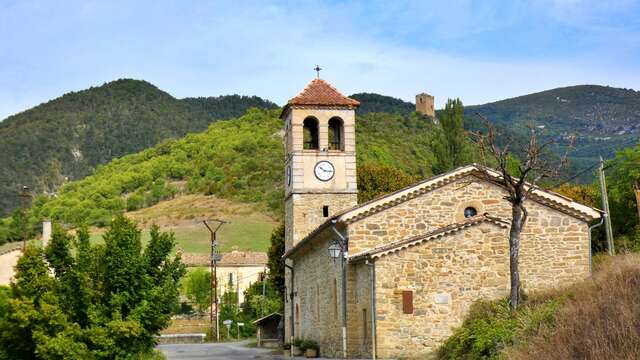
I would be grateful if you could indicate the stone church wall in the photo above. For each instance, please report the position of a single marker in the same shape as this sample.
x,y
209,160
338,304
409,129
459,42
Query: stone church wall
x,y
555,246
318,289
445,276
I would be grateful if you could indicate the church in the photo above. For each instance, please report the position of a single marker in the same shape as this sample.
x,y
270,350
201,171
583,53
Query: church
x,y
394,276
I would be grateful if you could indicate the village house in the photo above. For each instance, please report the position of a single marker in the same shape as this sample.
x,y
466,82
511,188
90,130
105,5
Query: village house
x,y
415,260
236,271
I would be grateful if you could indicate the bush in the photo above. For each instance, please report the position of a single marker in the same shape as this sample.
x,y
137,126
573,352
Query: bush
x,y
309,344
491,326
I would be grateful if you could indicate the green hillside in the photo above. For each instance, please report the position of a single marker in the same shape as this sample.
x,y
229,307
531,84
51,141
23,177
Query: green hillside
x,y
66,138
370,102
604,119
239,159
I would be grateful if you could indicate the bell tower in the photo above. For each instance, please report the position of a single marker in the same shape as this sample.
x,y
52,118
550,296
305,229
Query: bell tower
x,y
320,158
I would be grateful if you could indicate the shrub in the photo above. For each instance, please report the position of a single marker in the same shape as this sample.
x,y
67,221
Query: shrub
x,y
309,344
491,326
600,320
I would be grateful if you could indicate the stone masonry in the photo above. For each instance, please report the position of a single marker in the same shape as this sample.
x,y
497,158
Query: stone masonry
x,y
445,275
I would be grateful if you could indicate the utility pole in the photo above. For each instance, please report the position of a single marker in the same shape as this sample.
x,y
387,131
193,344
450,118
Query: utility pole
x,y
24,194
264,280
605,207
215,257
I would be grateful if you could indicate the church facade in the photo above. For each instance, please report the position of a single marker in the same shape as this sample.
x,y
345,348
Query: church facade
x,y
414,260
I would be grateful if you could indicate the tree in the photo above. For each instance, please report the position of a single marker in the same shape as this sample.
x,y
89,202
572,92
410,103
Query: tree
x,y
197,288
519,185
450,146
275,261
375,180
102,302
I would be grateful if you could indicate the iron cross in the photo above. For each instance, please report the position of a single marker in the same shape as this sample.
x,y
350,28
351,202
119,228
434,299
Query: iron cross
x,y
317,69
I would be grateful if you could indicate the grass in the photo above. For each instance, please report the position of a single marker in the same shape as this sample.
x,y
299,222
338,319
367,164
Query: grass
x,y
600,320
597,318
248,229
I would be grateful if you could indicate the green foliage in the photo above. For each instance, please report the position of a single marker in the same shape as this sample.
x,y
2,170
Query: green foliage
x,y
104,302
275,262
257,305
491,326
309,344
69,136
451,147
621,180
383,104
196,286
239,159
375,180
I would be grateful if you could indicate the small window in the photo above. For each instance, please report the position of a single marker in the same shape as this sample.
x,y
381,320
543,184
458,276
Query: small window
x,y
230,279
407,302
470,212
310,134
325,211
364,325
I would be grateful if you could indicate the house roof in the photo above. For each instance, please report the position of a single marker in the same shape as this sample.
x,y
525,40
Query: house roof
x,y
397,246
320,93
546,197
233,258
268,317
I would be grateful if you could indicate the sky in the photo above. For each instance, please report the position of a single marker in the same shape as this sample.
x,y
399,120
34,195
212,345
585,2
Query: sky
x,y
478,51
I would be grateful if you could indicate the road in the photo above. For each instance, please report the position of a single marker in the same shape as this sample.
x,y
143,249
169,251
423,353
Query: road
x,y
210,351
7,262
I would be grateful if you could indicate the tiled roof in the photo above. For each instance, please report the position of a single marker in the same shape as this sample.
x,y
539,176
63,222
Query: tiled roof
x,y
320,93
432,235
234,258
539,195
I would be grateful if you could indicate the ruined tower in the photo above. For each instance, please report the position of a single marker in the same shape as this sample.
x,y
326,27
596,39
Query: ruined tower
x,y
424,104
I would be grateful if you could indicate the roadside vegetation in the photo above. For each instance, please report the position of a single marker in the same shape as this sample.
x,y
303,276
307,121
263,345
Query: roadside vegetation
x,y
594,319
103,301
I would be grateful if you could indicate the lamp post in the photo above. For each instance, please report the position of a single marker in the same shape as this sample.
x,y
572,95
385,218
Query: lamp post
x,y
339,248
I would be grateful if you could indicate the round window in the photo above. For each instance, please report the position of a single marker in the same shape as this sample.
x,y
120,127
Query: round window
x,y
470,212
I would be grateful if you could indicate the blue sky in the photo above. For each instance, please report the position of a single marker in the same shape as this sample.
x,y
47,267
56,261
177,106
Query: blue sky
x,y
479,51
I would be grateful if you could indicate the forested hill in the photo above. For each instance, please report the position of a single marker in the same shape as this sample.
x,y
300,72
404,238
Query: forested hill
x,y
239,159
69,136
370,102
604,119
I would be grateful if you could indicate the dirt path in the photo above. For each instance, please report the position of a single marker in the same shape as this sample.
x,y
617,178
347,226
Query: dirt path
x,y
7,262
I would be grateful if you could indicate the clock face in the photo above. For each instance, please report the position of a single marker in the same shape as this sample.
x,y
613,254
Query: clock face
x,y
324,170
288,175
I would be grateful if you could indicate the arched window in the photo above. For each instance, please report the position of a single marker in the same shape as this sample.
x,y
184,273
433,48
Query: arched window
x,y
336,133
310,134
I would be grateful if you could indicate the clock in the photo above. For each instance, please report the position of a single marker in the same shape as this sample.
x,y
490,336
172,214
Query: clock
x,y
289,176
324,170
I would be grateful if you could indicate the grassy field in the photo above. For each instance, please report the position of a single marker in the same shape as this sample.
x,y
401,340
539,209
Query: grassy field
x,y
248,229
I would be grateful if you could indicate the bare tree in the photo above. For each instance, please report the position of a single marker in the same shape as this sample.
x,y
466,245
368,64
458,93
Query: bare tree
x,y
520,183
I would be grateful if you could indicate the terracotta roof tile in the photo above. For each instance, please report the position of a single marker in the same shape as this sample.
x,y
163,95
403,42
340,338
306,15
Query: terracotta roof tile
x,y
320,92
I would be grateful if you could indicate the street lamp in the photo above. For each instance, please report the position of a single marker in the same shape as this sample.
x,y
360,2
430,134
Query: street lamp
x,y
334,250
